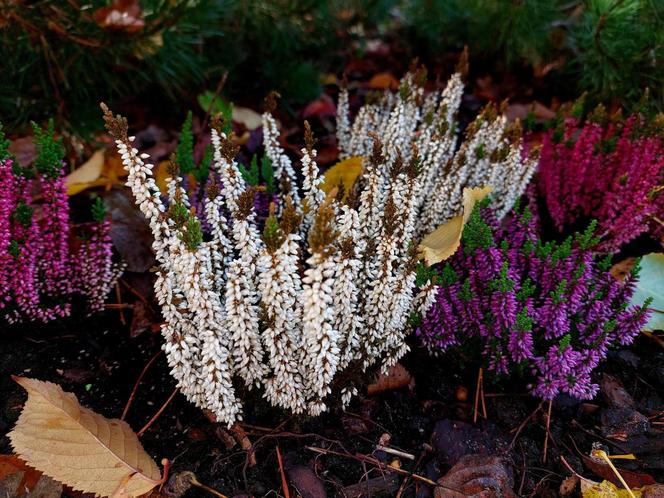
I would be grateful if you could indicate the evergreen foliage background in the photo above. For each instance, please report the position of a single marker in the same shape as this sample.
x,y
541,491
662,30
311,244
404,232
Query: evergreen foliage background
x,y
60,58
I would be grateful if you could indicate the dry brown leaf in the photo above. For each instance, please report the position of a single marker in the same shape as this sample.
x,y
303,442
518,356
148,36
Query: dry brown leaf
x,y
444,240
79,447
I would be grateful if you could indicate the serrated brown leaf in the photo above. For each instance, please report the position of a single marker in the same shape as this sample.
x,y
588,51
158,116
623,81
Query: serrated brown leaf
x,y
79,447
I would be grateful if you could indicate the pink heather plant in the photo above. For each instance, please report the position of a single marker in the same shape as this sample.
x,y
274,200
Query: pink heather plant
x,y
612,172
39,276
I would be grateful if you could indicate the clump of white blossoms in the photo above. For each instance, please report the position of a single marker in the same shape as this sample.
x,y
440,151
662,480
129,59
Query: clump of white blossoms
x,y
323,291
491,153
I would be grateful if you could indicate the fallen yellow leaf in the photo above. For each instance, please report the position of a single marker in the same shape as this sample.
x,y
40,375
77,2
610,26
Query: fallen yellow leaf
x,y
444,240
90,171
79,447
98,171
346,172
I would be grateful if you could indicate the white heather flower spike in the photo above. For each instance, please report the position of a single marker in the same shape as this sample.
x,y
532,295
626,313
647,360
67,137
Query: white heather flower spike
x,y
313,195
291,314
320,340
284,173
231,178
343,122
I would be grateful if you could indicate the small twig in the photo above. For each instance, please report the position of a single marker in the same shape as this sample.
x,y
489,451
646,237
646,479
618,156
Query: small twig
x,y
217,91
118,296
377,463
392,451
120,306
134,292
477,396
284,482
210,490
156,415
523,424
138,381
546,436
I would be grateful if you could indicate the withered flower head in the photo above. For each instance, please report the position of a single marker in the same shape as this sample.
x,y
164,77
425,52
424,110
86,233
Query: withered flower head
x,y
414,165
377,158
172,168
499,154
115,125
309,139
397,167
390,217
598,115
322,234
271,101
213,190
218,122
229,149
290,219
352,199
535,151
245,204
462,65
514,131
420,76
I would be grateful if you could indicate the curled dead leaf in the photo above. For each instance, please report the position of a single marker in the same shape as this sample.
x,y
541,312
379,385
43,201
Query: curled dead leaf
x,y
79,447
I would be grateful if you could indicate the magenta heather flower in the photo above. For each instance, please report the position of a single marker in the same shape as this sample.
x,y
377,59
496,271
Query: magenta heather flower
x,y
550,309
39,276
607,171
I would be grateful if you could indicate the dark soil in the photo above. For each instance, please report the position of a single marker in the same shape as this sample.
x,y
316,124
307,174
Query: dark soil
x,y
96,359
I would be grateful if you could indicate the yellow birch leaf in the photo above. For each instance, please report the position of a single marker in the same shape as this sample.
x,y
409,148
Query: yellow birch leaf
x,y
346,172
444,240
79,447
90,171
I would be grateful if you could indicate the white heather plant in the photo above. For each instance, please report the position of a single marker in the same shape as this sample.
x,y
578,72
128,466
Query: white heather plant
x,y
325,291
490,155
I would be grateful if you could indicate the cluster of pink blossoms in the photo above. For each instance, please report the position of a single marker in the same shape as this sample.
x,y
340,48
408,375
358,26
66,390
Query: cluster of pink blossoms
x,y
40,275
609,171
